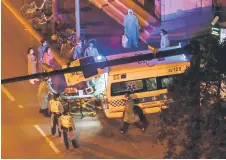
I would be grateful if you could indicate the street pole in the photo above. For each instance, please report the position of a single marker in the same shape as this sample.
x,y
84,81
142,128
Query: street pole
x,y
77,19
54,11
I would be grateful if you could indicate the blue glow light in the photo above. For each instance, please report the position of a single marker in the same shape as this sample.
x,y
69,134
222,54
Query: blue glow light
x,y
99,57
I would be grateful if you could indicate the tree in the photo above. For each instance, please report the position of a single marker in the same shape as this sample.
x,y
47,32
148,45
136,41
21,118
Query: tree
x,y
193,129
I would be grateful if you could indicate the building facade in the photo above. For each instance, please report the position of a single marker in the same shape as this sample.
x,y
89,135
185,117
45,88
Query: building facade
x,y
173,9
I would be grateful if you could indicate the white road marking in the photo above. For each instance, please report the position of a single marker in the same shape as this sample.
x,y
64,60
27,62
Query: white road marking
x,y
21,19
29,28
47,139
135,146
20,106
11,98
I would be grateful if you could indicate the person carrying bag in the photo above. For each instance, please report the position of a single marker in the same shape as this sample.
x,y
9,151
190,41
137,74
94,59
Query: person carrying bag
x,y
124,41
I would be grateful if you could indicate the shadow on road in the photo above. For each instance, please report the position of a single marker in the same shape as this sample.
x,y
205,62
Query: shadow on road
x,y
106,151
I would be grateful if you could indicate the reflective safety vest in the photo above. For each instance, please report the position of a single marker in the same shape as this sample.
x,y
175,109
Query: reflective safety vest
x,y
65,121
54,106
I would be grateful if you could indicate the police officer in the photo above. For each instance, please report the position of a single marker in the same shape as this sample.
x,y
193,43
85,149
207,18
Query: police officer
x,y
56,110
67,127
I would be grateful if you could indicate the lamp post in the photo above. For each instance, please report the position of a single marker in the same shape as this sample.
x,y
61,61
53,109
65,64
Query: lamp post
x,y
77,19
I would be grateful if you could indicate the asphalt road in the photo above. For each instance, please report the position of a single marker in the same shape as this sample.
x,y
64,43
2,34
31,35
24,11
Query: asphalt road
x,y
20,139
98,137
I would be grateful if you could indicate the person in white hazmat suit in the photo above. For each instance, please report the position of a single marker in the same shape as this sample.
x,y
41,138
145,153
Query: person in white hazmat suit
x,y
164,43
44,90
131,26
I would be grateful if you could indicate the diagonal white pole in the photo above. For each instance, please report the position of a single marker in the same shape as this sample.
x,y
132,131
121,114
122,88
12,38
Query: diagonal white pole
x,y
77,19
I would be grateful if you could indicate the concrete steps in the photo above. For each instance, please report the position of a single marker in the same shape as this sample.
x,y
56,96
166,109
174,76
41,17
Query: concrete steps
x,y
143,15
109,10
117,11
120,7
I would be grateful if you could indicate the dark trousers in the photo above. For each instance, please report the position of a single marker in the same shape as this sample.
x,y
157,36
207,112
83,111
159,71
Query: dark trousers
x,y
73,142
139,112
55,124
126,126
144,123
143,119
45,112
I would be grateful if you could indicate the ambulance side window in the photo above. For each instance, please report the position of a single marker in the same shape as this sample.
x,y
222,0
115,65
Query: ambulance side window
x,y
121,88
166,81
151,84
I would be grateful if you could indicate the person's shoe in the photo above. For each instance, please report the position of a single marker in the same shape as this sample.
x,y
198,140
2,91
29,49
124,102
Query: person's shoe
x,y
122,131
145,127
77,146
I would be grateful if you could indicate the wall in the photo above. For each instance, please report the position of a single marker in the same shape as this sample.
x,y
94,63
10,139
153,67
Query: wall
x,y
173,9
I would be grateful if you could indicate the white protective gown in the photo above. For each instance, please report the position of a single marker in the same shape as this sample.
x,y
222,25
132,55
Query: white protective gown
x,y
131,29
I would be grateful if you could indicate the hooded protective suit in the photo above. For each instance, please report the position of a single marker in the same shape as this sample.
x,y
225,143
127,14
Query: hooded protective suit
x,y
164,41
43,91
131,28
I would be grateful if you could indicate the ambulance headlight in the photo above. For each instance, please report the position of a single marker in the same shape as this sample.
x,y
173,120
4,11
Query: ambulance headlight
x,y
99,58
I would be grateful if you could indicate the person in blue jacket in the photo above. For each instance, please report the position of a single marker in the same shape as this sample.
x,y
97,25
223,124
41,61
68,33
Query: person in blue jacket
x,y
131,26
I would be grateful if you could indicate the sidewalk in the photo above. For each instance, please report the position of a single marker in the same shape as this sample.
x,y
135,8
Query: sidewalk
x,y
103,28
98,25
179,29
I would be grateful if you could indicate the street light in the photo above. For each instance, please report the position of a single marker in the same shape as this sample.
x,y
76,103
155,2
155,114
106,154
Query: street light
x,y
77,19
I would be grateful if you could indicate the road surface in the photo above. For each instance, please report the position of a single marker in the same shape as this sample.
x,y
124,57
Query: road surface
x,y
20,139
98,137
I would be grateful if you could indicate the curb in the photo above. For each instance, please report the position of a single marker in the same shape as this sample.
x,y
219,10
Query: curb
x,y
33,32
